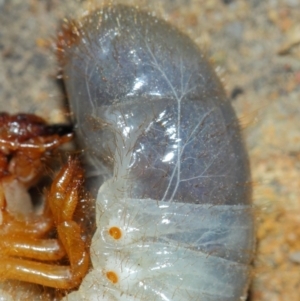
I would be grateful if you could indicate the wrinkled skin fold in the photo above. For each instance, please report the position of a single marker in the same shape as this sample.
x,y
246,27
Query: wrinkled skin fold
x,y
171,165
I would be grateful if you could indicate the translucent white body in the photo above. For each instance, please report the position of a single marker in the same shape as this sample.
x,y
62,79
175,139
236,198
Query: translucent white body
x,y
173,210
158,257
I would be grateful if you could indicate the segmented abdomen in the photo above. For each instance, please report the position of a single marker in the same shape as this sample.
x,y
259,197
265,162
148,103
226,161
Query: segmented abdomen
x,y
173,215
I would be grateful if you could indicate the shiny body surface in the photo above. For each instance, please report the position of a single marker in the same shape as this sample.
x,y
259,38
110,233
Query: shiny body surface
x,y
33,243
157,128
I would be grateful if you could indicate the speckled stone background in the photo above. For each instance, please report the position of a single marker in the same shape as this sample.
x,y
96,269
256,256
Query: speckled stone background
x,y
255,47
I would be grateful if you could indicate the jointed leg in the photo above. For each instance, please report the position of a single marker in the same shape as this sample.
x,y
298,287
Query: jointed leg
x,y
62,200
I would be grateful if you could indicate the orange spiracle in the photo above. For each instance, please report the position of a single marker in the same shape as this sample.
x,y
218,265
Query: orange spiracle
x,y
173,209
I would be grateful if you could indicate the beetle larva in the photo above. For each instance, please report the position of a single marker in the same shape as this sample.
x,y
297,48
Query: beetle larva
x,y
173,215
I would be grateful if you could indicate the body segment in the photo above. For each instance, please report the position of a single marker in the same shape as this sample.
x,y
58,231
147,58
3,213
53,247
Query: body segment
x,y
173,211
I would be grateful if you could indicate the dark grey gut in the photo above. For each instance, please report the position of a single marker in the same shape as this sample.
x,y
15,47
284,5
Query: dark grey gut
x,y
173,210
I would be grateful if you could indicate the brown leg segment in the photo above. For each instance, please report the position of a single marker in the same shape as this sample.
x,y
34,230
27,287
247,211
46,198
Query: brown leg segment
x,y
37,249
26,251
36,272
62,200
62,277
64,192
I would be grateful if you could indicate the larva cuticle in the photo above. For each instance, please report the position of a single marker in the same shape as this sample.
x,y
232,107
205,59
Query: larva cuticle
x,y
242,39
173,215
